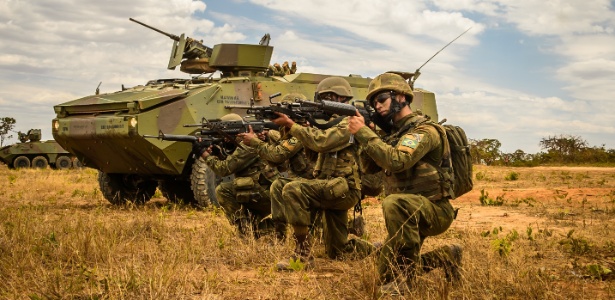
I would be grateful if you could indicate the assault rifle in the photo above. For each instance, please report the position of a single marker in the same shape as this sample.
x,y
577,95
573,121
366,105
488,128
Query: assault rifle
x,y
217,133
342,109
301,111
293,109
219,148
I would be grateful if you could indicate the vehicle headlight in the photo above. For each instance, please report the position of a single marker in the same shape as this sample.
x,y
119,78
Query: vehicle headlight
x,y
133,122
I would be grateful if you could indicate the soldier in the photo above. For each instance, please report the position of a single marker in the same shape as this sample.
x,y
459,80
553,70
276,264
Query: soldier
x,y
245,200
417,202
336,189
288,150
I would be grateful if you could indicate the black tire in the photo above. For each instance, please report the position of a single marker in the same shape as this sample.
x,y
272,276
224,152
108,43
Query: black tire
x,y
121,188
63,163
176,191
40,162
21,162
203,184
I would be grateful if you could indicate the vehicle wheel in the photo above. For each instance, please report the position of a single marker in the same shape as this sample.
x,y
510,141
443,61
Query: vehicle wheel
x,y
176,191
21,162
63,163
77,163
40,162
121,188
203,184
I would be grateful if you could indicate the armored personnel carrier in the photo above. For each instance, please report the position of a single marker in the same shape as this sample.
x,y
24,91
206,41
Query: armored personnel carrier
x,y
105,131
32,152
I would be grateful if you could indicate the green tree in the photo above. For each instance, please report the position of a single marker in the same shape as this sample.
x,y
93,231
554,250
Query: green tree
x,y
6,126
485,151
563,148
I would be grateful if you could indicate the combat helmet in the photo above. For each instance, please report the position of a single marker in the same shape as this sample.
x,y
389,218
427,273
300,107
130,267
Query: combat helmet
x,y
336,85
394,84
291,97
389,82
231,117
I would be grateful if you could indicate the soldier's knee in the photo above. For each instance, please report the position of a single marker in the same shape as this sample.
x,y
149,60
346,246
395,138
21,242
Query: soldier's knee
x,y
396,203
290,190
276,188
390,204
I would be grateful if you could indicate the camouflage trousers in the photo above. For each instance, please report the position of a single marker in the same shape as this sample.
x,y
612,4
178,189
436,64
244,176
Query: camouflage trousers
x,y
295,201
409,220
240,212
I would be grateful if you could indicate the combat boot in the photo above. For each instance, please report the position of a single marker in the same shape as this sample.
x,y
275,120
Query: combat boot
x,y
447,257
301,259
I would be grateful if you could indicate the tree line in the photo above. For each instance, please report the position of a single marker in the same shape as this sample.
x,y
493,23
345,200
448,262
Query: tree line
x,y
558,149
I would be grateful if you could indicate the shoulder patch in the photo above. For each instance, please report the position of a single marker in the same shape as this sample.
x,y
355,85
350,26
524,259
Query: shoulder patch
x,y
290,144
409,142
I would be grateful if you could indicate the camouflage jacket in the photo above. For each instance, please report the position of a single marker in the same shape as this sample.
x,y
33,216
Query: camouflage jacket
x,y
408,157
288,150
336,155
243,162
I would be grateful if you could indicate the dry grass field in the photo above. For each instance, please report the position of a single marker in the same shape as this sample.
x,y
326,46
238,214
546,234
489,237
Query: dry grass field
x,y
541,233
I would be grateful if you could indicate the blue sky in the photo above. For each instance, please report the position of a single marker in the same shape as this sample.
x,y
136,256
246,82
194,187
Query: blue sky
x,y
526,70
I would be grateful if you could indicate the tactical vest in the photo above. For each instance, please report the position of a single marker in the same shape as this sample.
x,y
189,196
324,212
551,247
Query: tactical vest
x,y
301,166
338,164
258,170
423,178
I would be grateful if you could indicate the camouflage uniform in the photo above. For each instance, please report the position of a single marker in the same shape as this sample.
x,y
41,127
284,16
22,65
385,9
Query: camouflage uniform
x,y
417,205
336,189
288,149
246,199
287,152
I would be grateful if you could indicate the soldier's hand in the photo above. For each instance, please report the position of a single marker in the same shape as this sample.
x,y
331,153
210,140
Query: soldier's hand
x,y
199,148
207,152
355,123
283,120
247,136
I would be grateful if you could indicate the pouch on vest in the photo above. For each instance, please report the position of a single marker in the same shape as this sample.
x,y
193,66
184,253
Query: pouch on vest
x,y
327,163
336,188
243,188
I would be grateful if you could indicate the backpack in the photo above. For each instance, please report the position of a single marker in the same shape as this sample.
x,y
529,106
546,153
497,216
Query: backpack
x,y
461,160
457,170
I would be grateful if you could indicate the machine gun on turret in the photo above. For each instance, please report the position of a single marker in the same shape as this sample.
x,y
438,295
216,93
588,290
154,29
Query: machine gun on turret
x,y
191,55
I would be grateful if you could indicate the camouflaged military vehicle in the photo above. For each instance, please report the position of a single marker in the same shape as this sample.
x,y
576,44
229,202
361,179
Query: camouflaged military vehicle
x,y
105,131
32,152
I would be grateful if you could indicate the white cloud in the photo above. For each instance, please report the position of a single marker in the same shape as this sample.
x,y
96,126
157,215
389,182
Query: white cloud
x,y
54,51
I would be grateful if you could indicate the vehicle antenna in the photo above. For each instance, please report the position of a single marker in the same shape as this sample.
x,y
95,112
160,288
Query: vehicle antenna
x,y
417,73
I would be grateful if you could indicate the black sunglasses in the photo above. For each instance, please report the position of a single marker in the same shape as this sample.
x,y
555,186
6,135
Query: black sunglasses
x,y
381,97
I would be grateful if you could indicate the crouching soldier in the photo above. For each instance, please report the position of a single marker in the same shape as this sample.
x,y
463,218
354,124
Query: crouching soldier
x,y
334,191
417,203
245,200
288,154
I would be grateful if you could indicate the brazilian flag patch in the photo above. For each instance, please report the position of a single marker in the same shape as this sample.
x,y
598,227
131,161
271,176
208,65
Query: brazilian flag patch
x,y
410,143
